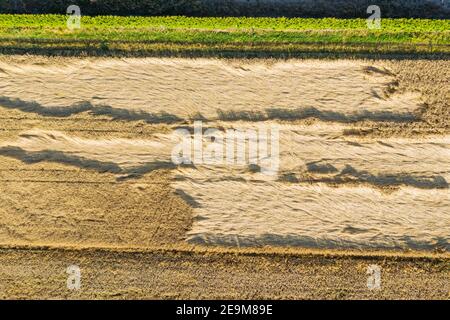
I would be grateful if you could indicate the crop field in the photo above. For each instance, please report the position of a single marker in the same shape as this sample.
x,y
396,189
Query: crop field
x,y
355,172
105,35
217,23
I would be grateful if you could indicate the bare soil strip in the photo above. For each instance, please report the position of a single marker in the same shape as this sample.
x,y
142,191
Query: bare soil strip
x,y
64,205
159,274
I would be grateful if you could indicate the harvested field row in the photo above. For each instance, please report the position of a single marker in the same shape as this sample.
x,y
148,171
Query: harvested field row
x,y
82,207
304,150
76,134
397,191
34,272
385,97
145,89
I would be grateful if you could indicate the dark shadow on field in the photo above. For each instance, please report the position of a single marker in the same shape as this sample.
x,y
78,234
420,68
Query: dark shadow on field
x,y
59,157
318,167
85,106
311,112
224,115
422,182
231,115
313,50
30,157
139,171
293,240
188,199
352,175
382,71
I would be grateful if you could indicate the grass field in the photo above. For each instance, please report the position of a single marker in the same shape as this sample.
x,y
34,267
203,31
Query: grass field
x,y
221,36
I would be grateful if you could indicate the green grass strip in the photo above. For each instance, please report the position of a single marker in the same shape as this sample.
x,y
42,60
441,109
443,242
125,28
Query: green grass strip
x,y
265,33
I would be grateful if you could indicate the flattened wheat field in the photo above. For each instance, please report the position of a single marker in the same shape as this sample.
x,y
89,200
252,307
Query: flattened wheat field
x,y
86,178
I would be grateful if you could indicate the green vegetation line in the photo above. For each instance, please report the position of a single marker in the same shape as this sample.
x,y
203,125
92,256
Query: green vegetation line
x,y
270,32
